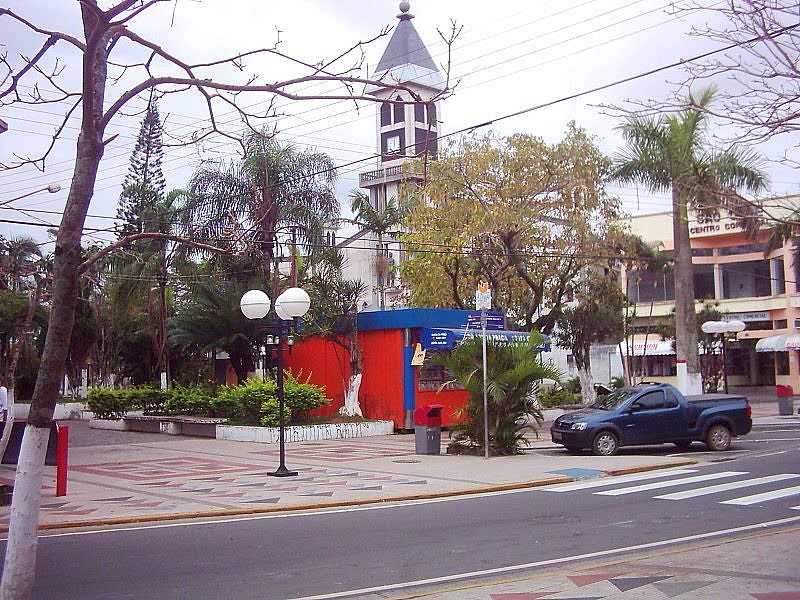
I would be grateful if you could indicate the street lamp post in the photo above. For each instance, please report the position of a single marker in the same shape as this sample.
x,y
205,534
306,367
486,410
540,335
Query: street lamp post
x,y
289,307
52,188
722,328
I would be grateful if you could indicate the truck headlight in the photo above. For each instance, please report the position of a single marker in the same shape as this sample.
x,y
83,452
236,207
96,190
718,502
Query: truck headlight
x,y
579,426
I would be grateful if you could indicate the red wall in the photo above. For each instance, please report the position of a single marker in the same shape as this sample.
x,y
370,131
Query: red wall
x,y
382,384
327,364
381,393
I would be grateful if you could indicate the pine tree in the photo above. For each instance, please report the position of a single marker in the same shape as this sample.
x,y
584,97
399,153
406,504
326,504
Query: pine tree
x,y
144,184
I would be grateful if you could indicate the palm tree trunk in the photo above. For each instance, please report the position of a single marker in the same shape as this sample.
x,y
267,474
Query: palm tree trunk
x,y
382,276
685,318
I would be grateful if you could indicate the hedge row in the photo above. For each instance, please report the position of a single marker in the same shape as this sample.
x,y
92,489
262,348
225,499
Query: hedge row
x,y
251,403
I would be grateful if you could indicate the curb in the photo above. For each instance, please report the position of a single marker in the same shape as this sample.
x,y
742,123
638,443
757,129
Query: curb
x,y
159,518
645,468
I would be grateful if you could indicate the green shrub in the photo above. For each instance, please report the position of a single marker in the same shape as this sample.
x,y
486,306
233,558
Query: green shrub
x,y
573,385
187,401
270,415
557,396
107,403
147,399
303,397
243,402
617,382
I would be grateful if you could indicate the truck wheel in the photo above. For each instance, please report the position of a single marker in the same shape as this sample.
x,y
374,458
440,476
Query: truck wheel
x,y
718,438
605,444
683,444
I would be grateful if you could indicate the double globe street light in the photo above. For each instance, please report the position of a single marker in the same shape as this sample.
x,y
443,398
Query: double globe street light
x,y
289,306
721,328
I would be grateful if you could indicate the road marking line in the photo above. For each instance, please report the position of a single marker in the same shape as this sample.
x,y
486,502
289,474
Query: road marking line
x,y
600,482
672,482
552,561
766,496
724,487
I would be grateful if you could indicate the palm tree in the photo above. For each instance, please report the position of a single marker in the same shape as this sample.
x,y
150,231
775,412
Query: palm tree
x,y
256,200
671,153
513,376
18,261
381,222
209,318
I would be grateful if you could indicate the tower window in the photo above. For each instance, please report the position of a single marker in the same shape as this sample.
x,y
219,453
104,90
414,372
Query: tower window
x,y
419,112
399,111
393,144
386,114
432,113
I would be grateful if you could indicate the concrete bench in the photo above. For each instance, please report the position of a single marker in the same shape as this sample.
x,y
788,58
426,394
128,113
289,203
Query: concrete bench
x,y
177,425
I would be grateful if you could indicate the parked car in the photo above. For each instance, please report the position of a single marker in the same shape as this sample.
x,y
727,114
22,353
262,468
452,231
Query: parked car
x,y
653,414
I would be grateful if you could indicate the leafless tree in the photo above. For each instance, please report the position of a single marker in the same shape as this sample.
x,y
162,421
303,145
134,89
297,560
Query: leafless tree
x,y
106,88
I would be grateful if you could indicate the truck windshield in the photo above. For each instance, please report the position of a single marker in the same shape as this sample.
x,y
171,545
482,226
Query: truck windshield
x,y
613,400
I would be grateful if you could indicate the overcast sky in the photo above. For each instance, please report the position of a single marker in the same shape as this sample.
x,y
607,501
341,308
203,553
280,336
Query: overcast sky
x,y
511,54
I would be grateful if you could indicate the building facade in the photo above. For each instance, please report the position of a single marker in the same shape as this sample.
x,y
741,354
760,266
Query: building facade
x,y
406,130
743,279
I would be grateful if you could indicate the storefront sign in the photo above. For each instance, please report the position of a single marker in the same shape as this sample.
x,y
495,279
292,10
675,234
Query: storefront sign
x,y
747,317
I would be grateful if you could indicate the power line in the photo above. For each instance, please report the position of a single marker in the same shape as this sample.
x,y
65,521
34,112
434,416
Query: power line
x,y
487,67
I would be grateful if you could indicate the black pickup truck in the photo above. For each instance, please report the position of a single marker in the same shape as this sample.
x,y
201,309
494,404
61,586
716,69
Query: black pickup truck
x,y
653,414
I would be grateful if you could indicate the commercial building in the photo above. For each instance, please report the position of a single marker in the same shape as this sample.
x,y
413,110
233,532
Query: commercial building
x,y
749,281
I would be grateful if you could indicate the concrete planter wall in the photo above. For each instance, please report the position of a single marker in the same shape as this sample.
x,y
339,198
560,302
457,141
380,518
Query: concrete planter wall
x,y
115,424
305,433
68,410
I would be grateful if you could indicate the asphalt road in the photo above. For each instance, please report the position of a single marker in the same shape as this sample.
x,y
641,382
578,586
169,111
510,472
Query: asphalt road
x,y
281,557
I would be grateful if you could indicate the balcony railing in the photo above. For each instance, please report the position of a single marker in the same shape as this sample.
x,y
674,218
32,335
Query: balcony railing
x,y
384,175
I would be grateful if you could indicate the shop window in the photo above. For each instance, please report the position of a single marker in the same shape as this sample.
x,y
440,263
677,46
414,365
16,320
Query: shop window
x,y
702,252
778,276
782,363
742,249
759,325
737,361
746,280
703,276
654,366
651,286
780,324
433,377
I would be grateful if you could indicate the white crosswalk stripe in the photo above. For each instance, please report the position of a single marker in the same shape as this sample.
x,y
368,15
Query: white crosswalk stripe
x,y
725,487
595,483
670,483
766,496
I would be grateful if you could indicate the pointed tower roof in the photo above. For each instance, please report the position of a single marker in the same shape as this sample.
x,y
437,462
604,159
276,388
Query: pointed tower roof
x,y
406,59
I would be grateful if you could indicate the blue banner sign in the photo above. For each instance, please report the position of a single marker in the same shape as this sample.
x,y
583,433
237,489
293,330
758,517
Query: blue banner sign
x,y
446,339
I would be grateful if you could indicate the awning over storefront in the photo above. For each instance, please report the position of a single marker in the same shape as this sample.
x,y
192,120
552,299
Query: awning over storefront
x,y
441,338
655,346
793,342
774,343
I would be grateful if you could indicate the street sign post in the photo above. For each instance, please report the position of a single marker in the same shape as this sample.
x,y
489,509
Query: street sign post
x,y
483,302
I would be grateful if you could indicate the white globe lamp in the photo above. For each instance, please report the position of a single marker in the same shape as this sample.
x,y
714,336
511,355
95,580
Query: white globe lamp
x,y
280,310
294,303
736,326
255,304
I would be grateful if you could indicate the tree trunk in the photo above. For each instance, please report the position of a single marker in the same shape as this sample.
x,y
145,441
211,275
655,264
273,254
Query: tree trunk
x,y
352,407
685,318
583,364
20,560
381,276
